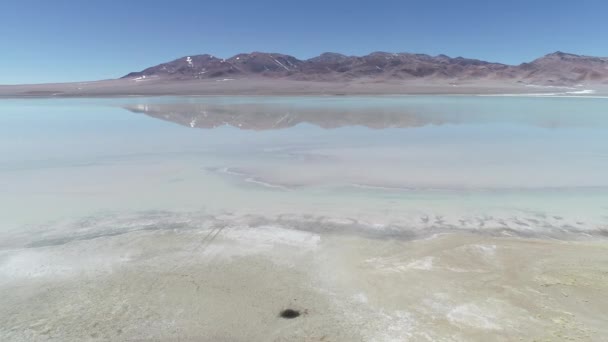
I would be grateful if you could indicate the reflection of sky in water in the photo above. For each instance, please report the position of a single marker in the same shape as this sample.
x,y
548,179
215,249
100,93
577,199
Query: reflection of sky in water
x,y
72,157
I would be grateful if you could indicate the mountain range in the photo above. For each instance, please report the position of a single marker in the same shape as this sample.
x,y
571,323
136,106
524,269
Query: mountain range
x,y
558,68
379,73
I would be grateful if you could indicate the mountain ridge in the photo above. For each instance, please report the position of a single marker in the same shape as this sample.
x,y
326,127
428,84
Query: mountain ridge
x,y
557,68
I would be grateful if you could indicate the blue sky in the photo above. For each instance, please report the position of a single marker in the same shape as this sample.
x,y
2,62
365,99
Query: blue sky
x,y
61,40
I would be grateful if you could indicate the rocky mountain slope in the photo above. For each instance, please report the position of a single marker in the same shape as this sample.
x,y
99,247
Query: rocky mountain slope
x,y
553,69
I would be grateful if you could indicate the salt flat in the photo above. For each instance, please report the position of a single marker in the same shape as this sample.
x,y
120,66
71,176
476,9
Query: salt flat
x,y
231,283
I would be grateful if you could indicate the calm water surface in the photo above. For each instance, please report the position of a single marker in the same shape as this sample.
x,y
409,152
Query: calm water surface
x,y
523,164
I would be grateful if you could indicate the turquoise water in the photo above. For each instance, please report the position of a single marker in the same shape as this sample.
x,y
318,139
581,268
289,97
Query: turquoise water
x,y
416,162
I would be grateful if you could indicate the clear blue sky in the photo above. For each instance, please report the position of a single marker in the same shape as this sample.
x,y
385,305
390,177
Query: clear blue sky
x,y
61,40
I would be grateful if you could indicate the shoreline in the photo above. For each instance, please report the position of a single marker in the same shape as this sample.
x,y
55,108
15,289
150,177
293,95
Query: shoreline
x,y
61,232
116,96
282,87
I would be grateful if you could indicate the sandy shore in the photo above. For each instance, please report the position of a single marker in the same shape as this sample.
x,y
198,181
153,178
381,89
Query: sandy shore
x,y
230,282
264,86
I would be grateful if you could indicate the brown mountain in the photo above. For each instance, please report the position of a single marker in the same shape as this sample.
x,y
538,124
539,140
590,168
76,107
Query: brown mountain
x,y
553,69
566,68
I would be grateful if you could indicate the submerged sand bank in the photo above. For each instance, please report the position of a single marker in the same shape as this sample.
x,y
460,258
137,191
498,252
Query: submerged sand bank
x,y
229,283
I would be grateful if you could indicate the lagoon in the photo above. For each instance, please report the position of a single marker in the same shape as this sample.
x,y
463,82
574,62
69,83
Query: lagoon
x,y
192,208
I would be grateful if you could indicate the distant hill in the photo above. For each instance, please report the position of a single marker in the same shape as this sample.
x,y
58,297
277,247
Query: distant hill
x,y
259,73
553,69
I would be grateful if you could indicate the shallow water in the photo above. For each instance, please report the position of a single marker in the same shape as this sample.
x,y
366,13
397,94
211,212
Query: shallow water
x,y
342,200
385,160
